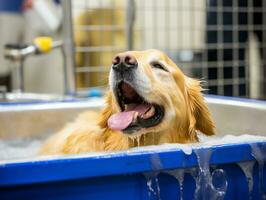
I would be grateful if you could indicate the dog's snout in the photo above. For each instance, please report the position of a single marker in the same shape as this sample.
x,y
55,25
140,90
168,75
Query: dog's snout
x,y
123,62
130,60
116,60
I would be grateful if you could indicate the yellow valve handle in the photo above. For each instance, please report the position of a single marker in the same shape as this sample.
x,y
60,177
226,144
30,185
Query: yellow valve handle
x,y
44,44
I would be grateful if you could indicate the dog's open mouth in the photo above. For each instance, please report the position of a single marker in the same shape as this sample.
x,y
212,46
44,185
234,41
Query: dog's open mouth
x,y
136,113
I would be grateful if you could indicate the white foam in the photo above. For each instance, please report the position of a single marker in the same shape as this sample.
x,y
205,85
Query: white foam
x,y
14,149
229,139
26,150
205,142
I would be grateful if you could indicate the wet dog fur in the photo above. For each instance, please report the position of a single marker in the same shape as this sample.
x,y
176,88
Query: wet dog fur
x,y
185,112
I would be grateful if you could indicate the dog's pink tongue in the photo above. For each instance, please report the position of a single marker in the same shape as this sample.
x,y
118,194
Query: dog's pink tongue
x,y
122,120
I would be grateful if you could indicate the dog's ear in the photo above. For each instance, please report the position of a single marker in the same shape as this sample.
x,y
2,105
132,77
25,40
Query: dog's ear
x,y
200,116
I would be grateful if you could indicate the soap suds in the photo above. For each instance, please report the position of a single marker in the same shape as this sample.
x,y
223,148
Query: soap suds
x,y
18,148
21,149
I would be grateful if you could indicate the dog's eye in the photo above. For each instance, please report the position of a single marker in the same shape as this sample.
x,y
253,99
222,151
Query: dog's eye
x,y
158,66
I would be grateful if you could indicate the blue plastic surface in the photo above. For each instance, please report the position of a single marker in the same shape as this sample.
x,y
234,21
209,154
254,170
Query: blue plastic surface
x,y
120,175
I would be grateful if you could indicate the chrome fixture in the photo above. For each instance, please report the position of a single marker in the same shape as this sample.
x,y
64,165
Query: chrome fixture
x,y
17,54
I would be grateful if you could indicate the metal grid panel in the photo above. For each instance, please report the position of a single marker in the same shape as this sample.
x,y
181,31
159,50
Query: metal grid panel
x,y
99,33
209,40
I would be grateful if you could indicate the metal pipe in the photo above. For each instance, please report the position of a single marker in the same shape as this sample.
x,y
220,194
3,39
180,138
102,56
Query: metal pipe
x,y
3,91
130,18
68,48
57,44
14,54
19,54
16,76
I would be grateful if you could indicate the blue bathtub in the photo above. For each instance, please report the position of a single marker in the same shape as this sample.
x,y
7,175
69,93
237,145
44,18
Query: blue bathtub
x,y
227,171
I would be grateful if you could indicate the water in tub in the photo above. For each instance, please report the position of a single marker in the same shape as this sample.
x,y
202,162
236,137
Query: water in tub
x,y
10,150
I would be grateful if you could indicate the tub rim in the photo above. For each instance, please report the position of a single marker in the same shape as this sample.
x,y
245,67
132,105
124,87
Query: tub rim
x,y
72,167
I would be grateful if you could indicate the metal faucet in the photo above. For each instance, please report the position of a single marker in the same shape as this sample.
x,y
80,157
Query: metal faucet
x,y
3,91
17,54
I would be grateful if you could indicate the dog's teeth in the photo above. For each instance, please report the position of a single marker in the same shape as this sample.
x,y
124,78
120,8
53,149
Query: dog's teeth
x,y
135,116
149,113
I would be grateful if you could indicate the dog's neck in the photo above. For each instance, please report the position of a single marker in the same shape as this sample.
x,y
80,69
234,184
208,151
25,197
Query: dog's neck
x,y
114,141
151,138
118,141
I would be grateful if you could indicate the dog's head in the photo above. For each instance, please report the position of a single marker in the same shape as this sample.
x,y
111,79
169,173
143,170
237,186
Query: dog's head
x,y
149,93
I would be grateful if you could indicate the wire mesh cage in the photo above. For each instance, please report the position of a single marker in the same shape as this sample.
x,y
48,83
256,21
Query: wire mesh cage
x,y
219,41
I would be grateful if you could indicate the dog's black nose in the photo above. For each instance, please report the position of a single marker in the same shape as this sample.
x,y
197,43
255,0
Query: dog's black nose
x,y
124,61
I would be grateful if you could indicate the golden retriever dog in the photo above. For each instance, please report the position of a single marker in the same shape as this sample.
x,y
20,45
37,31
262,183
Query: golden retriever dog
x,y
150,102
